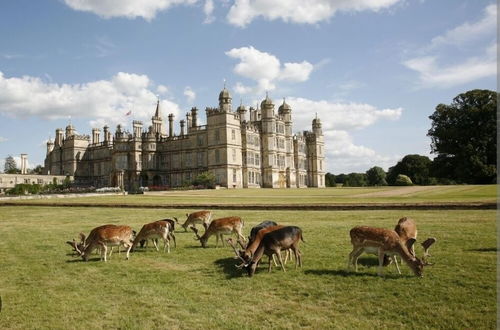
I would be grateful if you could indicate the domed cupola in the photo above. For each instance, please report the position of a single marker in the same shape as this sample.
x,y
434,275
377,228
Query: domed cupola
x,y
267,102
285,107
225,100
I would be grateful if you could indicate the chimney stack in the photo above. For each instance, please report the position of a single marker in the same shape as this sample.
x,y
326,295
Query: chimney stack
x,y
183,122
95,135
171,125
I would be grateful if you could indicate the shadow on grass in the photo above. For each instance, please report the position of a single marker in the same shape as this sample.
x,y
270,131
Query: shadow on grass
x,y
491,249
228,267
368,262
350,273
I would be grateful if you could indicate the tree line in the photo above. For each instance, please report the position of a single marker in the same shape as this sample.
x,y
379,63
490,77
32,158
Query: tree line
x,y
463,137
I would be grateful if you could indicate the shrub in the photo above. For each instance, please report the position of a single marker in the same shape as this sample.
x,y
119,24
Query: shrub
x,y
403,180
205,179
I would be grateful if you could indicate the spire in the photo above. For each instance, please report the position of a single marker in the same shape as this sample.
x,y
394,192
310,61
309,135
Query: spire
x,y
157,112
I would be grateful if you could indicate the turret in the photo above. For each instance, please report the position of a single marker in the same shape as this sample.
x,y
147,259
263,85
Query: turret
x,y
182,122
157,121
225,100
95,135
242,111
137,125
171,125
107,134
194,117
188,122
267,108
50,146
59,137
316,126
70,131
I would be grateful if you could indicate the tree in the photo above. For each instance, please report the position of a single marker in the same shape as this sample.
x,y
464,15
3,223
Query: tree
x,y
375,176
416,167
10,166
403,180
205,179
37,170
463,136
329,180
355,180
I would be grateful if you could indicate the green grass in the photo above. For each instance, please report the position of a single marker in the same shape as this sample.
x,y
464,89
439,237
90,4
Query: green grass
x,y
415,194
43,286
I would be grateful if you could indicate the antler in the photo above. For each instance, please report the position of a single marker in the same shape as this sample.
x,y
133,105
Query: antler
x,y
426,245
82,237
238,255
176,220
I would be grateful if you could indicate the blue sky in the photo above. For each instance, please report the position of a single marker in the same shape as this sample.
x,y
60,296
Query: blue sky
x,y
373,71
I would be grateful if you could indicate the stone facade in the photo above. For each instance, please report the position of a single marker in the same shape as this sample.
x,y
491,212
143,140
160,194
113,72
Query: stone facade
x,y
8,181
242,150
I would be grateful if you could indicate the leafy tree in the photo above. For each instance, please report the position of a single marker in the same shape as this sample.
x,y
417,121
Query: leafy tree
x,y
37,170
375,176
340,178
403,180
416,167
205,179
463,136
355,180
10,166
329,180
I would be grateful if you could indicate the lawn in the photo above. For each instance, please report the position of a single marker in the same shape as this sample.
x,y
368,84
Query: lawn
x,y
339,195
43,286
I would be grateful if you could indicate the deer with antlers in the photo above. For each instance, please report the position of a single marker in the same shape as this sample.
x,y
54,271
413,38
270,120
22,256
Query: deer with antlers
x,y
107,235
200,217
154,230
272,243
382,242
220,227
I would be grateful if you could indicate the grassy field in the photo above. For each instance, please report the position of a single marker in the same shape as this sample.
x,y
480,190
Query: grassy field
x,y
414,194
43,286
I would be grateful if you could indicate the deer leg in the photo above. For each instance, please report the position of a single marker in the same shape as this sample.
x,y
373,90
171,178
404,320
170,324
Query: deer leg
x,y
380,262
129,247
274,260
270,263
396,263
104,251
173,237
278,252
353,258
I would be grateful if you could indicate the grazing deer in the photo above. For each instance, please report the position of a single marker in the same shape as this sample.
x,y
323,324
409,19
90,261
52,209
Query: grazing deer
x,y
153,230
111,235
219,227
200,217
171,235
382,242
272,243
407,231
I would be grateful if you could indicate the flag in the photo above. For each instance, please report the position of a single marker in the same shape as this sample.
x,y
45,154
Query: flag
x,y
128,113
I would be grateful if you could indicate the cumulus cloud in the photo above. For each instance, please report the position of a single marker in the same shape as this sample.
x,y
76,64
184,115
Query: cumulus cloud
x,y
189,94
432,71
162,89
338,120
146,9
103,101
243,12
265,69
208,9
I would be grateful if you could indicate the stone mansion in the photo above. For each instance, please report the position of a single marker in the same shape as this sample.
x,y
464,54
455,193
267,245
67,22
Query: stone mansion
x,y
242,150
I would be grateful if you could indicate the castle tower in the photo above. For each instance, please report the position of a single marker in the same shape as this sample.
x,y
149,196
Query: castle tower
x,y
70,131
315,155
50,146
270,173
224,143
225,100
285,113
242,111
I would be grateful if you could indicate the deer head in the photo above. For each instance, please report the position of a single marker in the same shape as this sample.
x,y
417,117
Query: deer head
x,y
199,238
239,254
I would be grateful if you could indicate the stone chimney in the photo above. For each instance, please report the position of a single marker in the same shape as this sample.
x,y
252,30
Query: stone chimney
x,y
24,164
171,125
194,117
137,124
95,135
183,122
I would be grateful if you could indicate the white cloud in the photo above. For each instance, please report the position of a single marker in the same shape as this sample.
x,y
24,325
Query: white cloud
x,y
146,9
189,94
103,101
243,12
338,119
208,9
431,74
431,68
344,156
162,89
265,69
339,116
468,32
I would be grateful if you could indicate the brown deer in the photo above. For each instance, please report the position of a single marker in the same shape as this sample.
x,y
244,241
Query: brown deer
x,y
153,230
272,243
200,217
108,235
220,227
382,242
171,235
